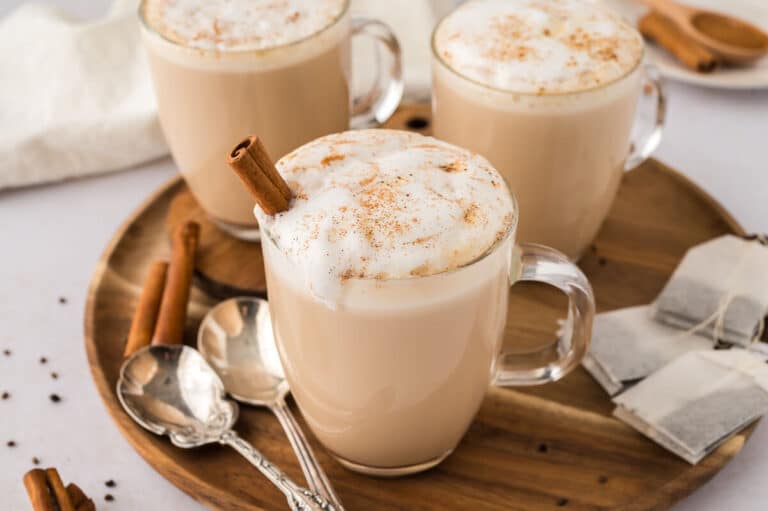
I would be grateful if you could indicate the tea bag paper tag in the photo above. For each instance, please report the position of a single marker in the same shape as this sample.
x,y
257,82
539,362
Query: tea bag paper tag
x,y
720,288
698,401
628,345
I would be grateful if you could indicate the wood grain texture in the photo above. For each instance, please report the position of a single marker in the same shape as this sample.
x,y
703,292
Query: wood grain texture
x,y
549,447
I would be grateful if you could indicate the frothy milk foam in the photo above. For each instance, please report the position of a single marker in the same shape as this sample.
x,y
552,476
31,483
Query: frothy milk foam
x,y
236,25
386,332
531,46
244,35
383,204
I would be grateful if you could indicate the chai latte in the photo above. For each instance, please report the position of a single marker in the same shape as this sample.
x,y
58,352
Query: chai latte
x,y
547,91
388,282
225,68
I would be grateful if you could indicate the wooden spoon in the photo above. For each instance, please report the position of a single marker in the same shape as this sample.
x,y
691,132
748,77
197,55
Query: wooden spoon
x,y
730,39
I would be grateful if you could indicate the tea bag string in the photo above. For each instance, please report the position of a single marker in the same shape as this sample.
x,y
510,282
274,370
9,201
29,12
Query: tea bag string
x,y
718,316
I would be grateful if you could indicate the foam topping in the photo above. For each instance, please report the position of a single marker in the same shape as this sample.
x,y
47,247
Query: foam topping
x,y
385,204
538,46
231,25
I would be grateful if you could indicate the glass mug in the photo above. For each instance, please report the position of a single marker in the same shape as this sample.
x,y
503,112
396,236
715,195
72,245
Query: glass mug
x,y
374,375
563,154
288,94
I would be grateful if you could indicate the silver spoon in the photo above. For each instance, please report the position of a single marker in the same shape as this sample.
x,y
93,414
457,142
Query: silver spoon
x,y
236,338
171,390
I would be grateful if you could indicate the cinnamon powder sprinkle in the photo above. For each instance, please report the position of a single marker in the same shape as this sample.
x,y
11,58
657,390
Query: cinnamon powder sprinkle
x,y
454,166
471,214
368,180
505,46
423,240
331,158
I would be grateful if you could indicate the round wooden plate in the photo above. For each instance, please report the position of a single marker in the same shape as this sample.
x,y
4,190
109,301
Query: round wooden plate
x,y
550,447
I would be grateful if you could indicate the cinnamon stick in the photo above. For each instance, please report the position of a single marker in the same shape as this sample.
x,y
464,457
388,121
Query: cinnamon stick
x,y
251,162
36,483
145,316
173,307
79,499
76,494
47,492
58,490
667,34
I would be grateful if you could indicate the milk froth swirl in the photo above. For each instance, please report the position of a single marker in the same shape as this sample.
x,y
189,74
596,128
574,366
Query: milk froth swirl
x,y
385,204
538,46
232,25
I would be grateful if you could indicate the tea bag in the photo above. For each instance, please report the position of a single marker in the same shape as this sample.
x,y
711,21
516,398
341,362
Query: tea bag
x,y
628,345
719,290
698,401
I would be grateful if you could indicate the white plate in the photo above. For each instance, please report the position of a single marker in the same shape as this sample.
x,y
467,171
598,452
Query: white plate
x,y
752,77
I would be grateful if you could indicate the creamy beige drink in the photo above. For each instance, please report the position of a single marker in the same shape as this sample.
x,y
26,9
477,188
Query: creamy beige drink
x,y
547,91
388,280
225,68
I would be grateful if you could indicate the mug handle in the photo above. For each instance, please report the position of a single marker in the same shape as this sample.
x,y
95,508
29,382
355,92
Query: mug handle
x,y
377,105
649,122
538,263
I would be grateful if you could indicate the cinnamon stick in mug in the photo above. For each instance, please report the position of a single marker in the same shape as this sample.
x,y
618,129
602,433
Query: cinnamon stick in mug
x,y
666,34
173,308
145,316
251,162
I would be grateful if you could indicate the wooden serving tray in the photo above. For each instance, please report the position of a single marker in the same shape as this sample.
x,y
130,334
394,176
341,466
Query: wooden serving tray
x,y
549,447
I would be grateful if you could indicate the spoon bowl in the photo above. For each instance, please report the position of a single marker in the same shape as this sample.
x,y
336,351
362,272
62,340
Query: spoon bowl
x,y
171,390
236,338
729,38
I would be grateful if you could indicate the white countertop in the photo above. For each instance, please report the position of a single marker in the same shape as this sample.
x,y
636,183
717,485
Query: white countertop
x,y
53,235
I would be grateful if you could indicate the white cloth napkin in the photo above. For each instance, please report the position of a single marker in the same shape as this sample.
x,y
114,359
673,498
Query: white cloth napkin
x,y
75,97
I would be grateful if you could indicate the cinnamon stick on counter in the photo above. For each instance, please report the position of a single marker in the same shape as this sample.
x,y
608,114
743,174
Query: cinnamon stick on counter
x,y
39,493
145,316
173,307
79,499
58,490
249,159
47,492
666,34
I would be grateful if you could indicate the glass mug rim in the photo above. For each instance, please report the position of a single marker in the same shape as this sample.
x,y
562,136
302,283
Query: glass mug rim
x,y
259,51
500,241
438,58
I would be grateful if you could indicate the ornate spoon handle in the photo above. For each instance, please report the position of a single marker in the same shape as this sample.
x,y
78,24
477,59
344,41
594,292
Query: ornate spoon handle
x,y
299,499
316,477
